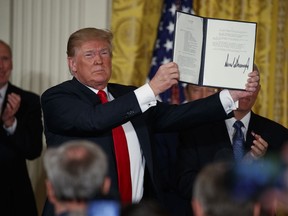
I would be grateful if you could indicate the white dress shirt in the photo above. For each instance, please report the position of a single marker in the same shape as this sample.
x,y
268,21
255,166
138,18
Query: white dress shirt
x,y
147,99
231,130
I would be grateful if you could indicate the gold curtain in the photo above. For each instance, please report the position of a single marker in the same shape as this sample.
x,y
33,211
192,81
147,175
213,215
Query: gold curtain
x,y
134,25
271,53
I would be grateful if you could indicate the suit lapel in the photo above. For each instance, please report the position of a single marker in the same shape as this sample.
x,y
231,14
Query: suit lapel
x,y
8,91
249,137
220,130
86,92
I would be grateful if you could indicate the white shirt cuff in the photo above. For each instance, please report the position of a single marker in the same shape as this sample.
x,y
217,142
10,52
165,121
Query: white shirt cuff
x,y
145,97
227,101
10,130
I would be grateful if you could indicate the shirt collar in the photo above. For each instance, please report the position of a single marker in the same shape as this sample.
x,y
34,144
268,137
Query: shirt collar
x,y
3,90
245,120
109,96
96,90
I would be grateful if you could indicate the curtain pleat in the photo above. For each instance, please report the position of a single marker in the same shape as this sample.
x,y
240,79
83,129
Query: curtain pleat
x,y
134,25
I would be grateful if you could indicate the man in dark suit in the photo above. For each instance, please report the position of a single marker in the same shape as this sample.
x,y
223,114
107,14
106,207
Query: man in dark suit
x,y
73,109
213,142
20,139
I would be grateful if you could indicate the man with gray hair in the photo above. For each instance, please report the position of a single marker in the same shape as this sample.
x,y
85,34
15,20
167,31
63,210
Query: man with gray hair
x,y
21,133
76,174
215,193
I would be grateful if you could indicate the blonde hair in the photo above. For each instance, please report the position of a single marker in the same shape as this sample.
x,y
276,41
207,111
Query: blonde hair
x,y
87,34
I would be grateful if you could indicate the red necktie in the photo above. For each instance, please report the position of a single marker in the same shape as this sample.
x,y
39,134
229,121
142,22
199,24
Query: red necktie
x,y
122,159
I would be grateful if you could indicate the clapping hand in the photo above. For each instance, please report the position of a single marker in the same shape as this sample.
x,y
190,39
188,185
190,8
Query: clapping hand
x,y
259,147
12,106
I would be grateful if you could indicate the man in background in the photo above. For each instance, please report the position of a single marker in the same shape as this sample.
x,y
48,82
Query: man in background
x,y
194,92
214,142
20,139
76,176
214,193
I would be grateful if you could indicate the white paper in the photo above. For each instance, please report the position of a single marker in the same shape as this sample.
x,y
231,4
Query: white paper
x,y
188,46
227,54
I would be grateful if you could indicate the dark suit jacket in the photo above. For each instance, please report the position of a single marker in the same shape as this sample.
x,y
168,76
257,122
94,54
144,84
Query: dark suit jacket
x,y
73,111
210,142
25,143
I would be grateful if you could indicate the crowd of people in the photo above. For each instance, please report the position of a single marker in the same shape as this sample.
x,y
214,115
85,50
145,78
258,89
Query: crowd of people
x,y
101,156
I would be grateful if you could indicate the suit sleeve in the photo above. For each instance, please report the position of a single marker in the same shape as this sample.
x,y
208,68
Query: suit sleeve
x,y
179,117
187,165
26,141
70,112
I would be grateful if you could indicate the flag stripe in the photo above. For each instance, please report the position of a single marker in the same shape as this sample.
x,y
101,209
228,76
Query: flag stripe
x,y
163,51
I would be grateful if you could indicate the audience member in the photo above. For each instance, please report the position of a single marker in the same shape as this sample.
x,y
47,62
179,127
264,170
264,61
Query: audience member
x,y
213,142
21,133
76,175
78,108
281,203
214,193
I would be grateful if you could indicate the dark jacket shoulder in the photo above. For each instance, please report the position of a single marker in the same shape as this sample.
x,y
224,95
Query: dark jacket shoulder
x,y
22,92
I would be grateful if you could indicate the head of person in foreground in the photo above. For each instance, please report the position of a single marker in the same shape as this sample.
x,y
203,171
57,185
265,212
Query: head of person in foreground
x,y
76,173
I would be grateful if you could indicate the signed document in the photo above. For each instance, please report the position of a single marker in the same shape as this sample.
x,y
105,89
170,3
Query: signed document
x,y
214,52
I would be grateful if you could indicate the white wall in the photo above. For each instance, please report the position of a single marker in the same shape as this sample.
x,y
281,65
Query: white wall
x,y
39,33
5,20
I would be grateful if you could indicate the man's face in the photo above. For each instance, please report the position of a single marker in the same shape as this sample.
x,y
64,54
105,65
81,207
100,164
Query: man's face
x,y
92,63
5,64
246,104
193,92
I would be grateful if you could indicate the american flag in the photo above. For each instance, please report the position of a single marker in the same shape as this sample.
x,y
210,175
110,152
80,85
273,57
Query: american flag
x,y
163,51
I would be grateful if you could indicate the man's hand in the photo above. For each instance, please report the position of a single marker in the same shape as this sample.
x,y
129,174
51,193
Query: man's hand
x,y
251,86
260,146
13,104
166,76
258,149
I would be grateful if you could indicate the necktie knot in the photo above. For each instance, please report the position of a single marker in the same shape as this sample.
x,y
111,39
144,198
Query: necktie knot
x,y
103,96
237,125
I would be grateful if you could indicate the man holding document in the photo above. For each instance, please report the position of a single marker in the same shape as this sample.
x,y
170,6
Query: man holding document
x,y
75,109
214,52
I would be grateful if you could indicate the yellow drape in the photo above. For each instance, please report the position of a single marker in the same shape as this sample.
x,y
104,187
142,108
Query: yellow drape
x,y
134,24
271,54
